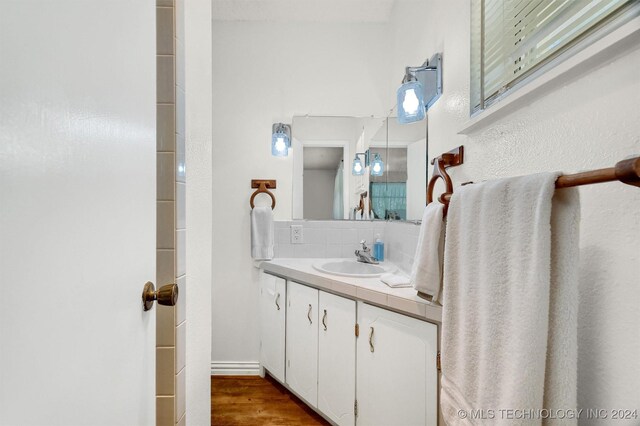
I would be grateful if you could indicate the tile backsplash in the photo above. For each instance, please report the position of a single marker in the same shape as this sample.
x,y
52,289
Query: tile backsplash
x,y
331,239
400,243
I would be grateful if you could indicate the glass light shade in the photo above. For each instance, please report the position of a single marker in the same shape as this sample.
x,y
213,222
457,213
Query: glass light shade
x,y
377,166
410,102
357,168
280,144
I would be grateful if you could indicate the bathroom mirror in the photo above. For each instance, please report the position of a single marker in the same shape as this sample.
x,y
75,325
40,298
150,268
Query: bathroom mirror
x,y
323,151
324,148
400,193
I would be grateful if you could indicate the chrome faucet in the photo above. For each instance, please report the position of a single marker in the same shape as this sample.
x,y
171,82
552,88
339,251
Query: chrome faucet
x,y
364,255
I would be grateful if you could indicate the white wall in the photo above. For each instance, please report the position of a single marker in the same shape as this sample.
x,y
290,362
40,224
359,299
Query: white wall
x,y
589,122
198,104
264,73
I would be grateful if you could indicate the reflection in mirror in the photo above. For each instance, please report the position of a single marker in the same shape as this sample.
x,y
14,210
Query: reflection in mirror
x,y
323,186
389,192
399,194
323,152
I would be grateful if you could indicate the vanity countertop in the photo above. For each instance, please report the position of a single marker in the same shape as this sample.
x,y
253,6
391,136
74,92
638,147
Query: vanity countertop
x,y
370,290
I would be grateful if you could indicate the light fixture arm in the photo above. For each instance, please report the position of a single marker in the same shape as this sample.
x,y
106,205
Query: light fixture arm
x,y
281,128
429,74
411,71
422,67
366,155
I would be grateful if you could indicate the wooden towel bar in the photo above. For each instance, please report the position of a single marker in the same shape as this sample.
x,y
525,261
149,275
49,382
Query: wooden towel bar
x,y
626,171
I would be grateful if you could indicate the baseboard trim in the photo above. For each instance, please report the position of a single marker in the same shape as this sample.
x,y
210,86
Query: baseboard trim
x,y
233,368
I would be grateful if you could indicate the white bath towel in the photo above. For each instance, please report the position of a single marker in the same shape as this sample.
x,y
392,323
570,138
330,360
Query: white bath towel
x,y
426,271
262,233
397,280
509,324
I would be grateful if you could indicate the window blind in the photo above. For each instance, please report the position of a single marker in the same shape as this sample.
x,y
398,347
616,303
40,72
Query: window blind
x,y
510,39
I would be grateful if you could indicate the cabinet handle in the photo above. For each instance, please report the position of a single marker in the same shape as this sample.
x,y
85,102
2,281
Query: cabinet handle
x,y
309,314
371,348
277,299
324,317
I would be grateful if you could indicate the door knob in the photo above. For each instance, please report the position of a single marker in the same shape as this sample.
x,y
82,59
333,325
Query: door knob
x,y
167,295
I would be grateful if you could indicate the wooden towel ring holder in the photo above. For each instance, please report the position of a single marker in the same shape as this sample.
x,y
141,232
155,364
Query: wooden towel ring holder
x,y
262,186
453,158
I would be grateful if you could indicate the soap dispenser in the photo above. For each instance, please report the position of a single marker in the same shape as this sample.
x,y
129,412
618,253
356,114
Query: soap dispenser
x,y
378,249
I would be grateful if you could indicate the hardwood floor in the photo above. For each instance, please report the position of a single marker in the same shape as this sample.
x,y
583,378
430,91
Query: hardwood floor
x,y
252,400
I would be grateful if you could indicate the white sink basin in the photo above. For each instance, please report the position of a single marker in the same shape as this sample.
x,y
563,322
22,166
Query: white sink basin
x,y
352,268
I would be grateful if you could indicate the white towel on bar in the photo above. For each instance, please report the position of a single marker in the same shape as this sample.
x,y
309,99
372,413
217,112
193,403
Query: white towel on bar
x,y
426,271
262,233
397,280
509,323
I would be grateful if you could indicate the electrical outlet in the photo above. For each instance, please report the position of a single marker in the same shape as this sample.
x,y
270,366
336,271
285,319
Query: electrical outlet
x,y
296,234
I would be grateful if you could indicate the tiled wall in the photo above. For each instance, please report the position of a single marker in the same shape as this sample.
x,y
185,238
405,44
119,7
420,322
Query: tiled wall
x,y
330,239
400,243
171,226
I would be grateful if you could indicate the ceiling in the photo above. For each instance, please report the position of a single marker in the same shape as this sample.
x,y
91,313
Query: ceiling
x,y
345,11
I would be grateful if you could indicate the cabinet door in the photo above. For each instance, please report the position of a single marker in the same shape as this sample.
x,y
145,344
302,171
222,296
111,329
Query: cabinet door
x,y
396,369
272,322
337,358
302,341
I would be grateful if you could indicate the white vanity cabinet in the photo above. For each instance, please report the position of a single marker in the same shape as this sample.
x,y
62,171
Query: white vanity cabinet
x,y
385,376
396,369
321,350
337,358
302,341
272,324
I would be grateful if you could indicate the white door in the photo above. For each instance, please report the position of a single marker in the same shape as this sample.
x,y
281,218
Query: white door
x,y
272,322
77,212
337,358
396,369
302,341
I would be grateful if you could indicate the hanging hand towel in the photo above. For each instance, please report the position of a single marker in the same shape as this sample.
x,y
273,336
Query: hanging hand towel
x,y
509,323
426,271
262,233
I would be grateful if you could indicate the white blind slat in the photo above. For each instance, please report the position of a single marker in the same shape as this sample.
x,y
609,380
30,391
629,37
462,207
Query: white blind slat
x,y
520,34
476,34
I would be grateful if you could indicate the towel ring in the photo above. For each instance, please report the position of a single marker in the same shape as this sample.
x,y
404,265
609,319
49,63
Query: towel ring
x,y
439,172
441,164
262,186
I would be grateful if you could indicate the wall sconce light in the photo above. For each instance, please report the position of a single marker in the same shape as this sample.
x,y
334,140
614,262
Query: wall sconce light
x,y
421,87
377,165
357,169
280,139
